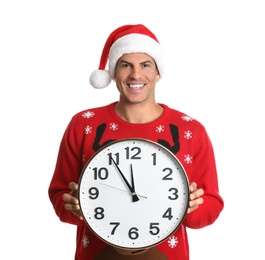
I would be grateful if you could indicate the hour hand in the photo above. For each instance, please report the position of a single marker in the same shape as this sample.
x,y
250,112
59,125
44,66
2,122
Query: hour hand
x,y
131,188
135,198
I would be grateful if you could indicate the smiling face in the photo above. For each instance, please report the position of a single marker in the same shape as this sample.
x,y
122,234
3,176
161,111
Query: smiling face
x,y
136,77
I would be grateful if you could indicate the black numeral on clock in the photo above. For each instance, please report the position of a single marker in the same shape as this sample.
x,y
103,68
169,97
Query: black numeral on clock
x,y
99,213
154,158
133,233
101,173
117,158
167,177
168,214
174,195
154,229
116,224
93,193
136,151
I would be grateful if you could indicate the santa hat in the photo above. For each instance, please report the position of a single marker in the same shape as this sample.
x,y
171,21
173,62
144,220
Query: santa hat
x,y
126,39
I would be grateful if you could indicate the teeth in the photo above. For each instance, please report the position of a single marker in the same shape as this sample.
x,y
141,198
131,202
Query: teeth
x,y
136,85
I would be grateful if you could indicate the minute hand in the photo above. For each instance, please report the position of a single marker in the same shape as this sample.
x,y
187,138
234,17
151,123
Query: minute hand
x,y
134,196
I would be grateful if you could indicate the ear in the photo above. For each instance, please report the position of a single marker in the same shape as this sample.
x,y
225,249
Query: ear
x,y
157,76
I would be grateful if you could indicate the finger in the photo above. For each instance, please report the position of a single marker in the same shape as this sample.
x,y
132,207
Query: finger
x,y
73,186
194,192
192,206
196,202
190,209
70,199
73,207
193,186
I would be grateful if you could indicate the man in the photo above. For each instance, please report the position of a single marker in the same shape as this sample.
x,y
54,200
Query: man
x,y
135,64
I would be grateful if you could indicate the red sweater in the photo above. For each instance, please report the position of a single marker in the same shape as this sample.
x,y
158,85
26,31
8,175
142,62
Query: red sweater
x,y
91,129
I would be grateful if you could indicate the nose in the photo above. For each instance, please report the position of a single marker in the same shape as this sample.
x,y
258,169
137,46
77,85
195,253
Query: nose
x,y
135,73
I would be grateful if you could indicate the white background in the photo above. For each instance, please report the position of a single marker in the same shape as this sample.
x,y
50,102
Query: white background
x,y
215,73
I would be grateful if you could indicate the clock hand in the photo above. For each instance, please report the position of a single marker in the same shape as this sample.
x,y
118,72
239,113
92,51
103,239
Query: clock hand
x,y
134,196
120,189
134,199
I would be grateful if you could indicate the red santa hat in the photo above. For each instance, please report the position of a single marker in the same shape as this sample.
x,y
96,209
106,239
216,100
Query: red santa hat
x,y
126,39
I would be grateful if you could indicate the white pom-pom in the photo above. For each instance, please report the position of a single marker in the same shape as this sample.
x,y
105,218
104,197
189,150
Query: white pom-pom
x,y
100,79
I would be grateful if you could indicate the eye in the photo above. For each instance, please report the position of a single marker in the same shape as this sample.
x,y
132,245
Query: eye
x,y
146,65
125,65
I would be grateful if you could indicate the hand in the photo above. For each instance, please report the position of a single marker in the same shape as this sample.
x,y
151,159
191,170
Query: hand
x,y
195,197
131,188
72,202
135,198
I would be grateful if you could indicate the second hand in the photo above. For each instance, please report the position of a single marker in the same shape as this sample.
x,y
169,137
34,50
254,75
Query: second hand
x,y
121,189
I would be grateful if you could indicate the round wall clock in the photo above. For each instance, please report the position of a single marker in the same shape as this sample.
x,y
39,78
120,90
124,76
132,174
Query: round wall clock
x,y
133,193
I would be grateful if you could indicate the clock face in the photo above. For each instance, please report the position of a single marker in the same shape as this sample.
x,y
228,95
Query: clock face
x,y
133,193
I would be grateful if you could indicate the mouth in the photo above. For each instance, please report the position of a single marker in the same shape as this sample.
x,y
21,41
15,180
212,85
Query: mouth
x,y
135,86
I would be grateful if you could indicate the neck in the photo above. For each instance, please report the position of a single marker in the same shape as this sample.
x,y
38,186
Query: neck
x,y
139,113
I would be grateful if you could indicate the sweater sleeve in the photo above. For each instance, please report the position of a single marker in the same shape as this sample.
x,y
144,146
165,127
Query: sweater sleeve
x,y
204,173
68,169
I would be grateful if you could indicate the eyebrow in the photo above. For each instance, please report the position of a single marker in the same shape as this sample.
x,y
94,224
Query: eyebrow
x,y
147,61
